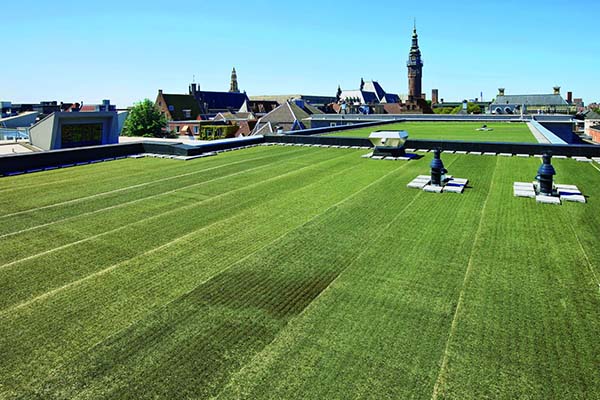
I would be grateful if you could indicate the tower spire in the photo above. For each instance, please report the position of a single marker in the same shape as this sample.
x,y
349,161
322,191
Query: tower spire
x,y
233,87
415,67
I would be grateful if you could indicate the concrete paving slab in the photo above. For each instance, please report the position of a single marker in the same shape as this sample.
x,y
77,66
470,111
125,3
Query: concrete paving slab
x,y
433,189
524,193
547,199
453,189
574,198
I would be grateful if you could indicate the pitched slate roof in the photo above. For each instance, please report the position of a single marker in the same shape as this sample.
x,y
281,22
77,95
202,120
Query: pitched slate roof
x,y
221,101
374,87
289,116
532,99
590,114
176,103
372,93
361,95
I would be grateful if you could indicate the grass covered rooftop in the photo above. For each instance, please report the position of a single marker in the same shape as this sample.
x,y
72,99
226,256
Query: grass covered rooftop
x,y
295,273
514,132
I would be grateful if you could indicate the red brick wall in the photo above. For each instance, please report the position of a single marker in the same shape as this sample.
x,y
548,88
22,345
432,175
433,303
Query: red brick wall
x,y
595,133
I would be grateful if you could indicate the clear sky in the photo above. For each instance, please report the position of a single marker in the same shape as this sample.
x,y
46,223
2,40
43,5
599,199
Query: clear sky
x,y
127,50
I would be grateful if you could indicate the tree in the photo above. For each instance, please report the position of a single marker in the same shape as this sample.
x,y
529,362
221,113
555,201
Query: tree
x,y
145,119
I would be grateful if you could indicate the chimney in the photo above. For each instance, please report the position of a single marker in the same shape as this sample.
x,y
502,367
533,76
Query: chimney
x,y
160,91
570,97
434,96
556,89
500,91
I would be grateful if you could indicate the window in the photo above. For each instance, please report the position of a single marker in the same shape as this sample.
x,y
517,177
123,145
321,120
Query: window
x,y
187,114
196,130
177,129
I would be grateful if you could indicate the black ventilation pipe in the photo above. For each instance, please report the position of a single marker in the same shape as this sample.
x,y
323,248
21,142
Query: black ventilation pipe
x,y
437,168
545,175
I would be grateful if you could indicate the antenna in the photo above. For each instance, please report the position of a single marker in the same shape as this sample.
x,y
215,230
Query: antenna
x,y
415,23
194,78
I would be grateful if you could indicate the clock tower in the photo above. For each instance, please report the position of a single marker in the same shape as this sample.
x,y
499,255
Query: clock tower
x,y
415,69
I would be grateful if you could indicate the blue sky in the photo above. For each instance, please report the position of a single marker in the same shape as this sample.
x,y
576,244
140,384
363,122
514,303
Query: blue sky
x,y
127,50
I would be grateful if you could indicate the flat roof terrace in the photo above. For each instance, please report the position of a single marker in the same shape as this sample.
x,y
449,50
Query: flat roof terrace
x,y
517,132
297,272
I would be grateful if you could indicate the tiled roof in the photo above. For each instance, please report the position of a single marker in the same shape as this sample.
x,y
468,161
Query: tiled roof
x,y
176,103
221,101
590,114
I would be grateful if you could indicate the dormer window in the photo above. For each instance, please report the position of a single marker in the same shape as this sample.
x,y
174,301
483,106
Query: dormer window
x,y
187,114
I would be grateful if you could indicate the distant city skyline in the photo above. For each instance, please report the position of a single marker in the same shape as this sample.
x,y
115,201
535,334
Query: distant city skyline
x,y
125,52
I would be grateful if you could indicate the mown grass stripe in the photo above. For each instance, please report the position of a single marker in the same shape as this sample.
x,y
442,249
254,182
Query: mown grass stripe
x,y
119,190
141,221
440,381
145,198
161,247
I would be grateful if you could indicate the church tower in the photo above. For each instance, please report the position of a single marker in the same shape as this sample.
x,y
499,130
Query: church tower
x,y
415,69
233,87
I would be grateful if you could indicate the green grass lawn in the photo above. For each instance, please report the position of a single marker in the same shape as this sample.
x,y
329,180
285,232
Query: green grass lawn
x,y
294,272
502,131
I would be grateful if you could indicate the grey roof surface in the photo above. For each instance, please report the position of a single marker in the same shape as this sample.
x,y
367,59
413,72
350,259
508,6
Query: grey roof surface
x,y
532,99
590,114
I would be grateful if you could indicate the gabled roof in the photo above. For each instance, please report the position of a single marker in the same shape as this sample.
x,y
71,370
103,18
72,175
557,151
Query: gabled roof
x,y
363,96
390,98
288,116
374,87
263,129
532,99
591,114
176,103
216,101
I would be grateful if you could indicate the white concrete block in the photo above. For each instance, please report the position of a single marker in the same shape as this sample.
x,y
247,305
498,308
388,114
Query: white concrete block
x,y
524,193
368,155
582,159
523,155
489,153
560,186
547,199
417,184
460,152
433,189
505,154
403,158
560,157
454,189
575,198
475,153
377,158
390,158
